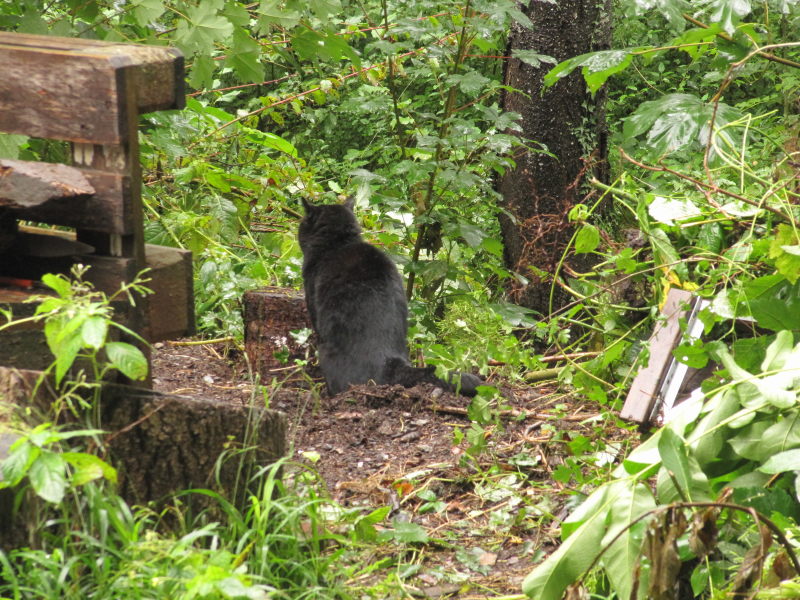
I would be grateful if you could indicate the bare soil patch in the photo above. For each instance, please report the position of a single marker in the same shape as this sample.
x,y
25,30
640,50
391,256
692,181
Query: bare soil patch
x,y
379,445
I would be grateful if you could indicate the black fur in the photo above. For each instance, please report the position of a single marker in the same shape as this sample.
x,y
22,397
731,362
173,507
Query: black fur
x,y
357,304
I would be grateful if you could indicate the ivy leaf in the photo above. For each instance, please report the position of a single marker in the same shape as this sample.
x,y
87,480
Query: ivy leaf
x,y
127,359
681,121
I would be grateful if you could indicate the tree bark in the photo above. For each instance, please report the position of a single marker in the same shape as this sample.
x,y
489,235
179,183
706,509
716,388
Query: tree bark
x,y
541,190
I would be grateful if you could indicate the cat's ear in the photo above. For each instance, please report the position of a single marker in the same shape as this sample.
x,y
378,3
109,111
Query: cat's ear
x,y
350,203
307,205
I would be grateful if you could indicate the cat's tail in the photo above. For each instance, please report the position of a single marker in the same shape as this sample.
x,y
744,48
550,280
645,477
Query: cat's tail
x,y
399,371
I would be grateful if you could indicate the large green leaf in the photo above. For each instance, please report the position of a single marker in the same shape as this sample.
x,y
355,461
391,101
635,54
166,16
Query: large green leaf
x,y
621,558
128,359
243,57
327,46
19,459
774,302
680,122
47,476
681,477
585,531
201,29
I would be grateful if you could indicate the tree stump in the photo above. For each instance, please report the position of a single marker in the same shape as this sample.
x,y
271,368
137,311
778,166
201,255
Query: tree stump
x,y
270,315
163,443
160,444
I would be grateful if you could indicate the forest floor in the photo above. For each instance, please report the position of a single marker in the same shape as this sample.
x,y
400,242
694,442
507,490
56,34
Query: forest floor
x,y
490,519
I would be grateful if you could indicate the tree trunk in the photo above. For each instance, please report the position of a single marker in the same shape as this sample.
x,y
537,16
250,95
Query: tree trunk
x,y
540,191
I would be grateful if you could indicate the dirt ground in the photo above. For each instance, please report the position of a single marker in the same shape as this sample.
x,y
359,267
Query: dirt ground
x,y
380,445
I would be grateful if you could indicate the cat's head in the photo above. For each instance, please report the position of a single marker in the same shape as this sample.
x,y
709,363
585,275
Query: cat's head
x,y
327,224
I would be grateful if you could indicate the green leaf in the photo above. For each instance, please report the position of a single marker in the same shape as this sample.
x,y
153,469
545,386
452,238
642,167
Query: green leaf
x,y
670,210
243,57
782,462
10,144
621,559
681,469
409,533
763,439
323,9
587,239
470,83
58,283
681,121
128,359
93,332
727,13
597,67
18,461
315,45
584,531
147,11
201,29
278,12
47,476
774,302
201,75
533,58
270,140
667,257
88,467
785,250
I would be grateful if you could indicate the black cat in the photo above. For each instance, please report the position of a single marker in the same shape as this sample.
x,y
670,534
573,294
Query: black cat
x,y
357,304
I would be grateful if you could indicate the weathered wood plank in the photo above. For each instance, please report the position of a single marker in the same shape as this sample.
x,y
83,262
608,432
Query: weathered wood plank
x,y
109,210
25,184
70,89
643,393
171,306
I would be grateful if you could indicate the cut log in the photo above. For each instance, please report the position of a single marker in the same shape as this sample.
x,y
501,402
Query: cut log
x,y
270,315
163,443
25,184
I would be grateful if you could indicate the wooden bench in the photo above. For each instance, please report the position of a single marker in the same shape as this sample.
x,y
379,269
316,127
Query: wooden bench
x,y
90,94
